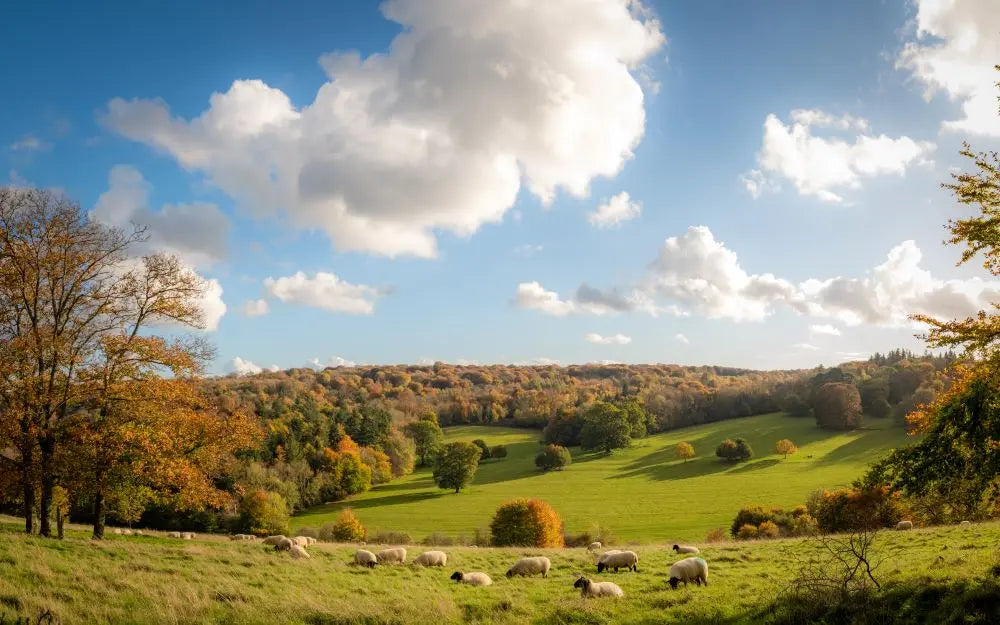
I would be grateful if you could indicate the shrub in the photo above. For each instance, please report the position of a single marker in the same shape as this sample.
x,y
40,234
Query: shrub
x,y
799,511
553,457
603,533
768,529
500,451
438,539
526,523
264,513
383,537
804,525
483,448
757,514
481,537
577,540
855,509
746,532
734,450
347,528
717,535
684,450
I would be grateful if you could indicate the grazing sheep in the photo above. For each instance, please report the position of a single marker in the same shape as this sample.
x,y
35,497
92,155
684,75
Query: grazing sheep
x,y
473,579
312,541
285,544
689,570
173,534
126,532
620,560
395,555
188,535
539,565
139,533
298,552
965,523
595,546
365,558
117,531
273,540
301,541
686,549
431,558
904,525
597,589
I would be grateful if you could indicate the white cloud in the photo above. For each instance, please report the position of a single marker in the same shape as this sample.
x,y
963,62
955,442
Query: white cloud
x,y
211,304
245,367
274,368
956,46
323,290
619,209
805,346
824,328
195,233
819,165
438,133
332,361
533,296
541,361
255,308
612,339
29,143
680,338
528,250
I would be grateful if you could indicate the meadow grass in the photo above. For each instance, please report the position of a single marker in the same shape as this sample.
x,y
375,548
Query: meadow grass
x,y
154,580
643,494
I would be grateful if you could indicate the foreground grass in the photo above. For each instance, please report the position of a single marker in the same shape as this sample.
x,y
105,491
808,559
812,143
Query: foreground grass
x,y
154,580
642,493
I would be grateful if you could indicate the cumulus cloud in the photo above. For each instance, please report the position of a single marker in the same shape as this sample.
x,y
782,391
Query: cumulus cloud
x,y
541,361
824,328
528,250
619,209
695,273
954,49
821,166
680,338
613,339
332,361
468,103
245,367
323,290
29,143
255,308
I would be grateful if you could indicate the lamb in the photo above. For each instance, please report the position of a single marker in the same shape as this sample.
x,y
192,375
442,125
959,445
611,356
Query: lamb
x,y
285,544
365,558
904,525
273,540
431,558
620,560
686,549
689,570
395,555
473,579
173,534
298,552
595,546
530,566
301,541
597,589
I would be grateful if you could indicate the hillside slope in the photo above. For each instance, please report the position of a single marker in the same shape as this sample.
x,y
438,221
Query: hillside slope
x,y
643,494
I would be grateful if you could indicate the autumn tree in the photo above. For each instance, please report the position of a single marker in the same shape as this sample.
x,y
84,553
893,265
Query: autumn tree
x,y
784,447
605,427
402,453
837,406
456,465
685,450
427,437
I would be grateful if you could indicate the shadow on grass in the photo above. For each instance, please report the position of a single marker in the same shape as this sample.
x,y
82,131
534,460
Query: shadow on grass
x,y
757,466
371,502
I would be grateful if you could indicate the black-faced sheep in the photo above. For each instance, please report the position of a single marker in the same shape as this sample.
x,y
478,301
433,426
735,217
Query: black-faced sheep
x,y
686,549
539,565
395,555
595,546
473,579
689,570
597,589
273,540
619,560
298,552
431,558
365,558
285,544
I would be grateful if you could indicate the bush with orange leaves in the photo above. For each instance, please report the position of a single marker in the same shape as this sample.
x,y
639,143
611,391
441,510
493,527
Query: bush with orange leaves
x,y
526,523
857,509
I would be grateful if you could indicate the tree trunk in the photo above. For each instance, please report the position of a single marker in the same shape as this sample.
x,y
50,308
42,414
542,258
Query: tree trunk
x,y
99,515
47,446
59,522
29,503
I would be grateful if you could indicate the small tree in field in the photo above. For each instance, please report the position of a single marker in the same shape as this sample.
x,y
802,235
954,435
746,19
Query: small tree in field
x,y
456,465
685,450
605,427
553,457
785,447
734,450
263,513
348,528
526,523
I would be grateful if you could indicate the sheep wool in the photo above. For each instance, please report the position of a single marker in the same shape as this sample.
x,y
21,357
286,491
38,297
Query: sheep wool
x,y
472,579
285,544
686,549
301,541
298,553
395,555
173,534
904,525
312,541
187,535
594,546
597,589
365,558
538,565
689,570
273,540
620,560
431,558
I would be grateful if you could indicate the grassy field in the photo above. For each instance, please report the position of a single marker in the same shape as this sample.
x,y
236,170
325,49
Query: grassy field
x,y
643,494
151,579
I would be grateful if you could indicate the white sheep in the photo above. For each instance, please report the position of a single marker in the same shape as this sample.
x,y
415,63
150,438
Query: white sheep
x,y
273,540
139,533
395,555
686,549
965,523
117,531
187,535
620,560
312,541
285,544
473,579
538,565
689,570
431,558
126,532
904,525
365,558
595,546
173,534
298,552
597,589
301,541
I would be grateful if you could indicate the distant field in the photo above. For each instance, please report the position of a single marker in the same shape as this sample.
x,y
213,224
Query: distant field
x,y
939,575
644,494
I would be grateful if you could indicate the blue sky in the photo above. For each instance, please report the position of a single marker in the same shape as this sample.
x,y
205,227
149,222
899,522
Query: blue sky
x,y
749,184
